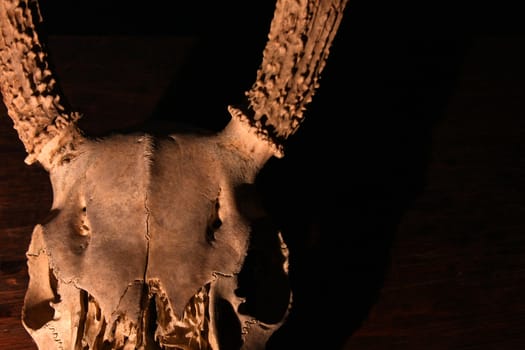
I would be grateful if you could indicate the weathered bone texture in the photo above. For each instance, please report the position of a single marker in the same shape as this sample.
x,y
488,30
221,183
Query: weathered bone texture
x,y
299,42
159,242
29,89
147,247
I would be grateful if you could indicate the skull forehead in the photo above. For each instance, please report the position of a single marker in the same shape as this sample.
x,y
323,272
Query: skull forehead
x,y
99,220
143,206
133,166
194,191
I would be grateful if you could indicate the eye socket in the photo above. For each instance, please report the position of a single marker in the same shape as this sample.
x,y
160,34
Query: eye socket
x,y
229,328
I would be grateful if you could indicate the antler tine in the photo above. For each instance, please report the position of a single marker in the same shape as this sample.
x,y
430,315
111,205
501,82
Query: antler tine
x,y
301,34
29,89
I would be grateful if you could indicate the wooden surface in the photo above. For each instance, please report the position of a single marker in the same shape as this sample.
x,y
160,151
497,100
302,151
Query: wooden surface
x,y
401,197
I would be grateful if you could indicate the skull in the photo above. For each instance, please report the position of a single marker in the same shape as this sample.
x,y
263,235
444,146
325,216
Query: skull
x,y
159,241
177,220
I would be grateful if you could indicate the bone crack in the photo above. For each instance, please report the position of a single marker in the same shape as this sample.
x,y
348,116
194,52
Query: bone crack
x,y
56,336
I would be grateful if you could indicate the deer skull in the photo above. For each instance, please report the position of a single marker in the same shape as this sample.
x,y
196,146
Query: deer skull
x,y
158,241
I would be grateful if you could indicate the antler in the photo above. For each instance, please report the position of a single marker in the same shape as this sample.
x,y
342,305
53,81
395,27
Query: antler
x,y
299,42
45,125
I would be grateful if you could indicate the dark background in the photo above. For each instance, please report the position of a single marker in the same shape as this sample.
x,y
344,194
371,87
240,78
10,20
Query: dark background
x,y
401,196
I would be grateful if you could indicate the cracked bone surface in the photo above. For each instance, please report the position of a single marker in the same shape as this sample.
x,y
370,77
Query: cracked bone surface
x,y
159,242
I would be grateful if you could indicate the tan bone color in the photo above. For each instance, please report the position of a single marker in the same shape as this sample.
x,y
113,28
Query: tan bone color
x,y
158,241
172,262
